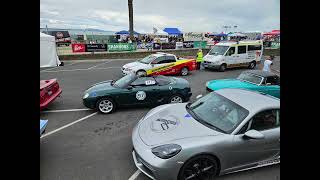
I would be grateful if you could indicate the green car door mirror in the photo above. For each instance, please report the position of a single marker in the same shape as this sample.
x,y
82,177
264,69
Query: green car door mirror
x,y
129,87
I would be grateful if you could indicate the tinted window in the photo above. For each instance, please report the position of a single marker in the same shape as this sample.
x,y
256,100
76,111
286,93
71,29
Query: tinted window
x,y
144,81
251,78
266,120
162,80
273,80
218,112
242,49
159,60
171,59
254,47
231,51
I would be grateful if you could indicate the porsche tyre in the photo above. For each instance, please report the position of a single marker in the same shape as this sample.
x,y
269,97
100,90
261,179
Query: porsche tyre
x,y
106,105
202,167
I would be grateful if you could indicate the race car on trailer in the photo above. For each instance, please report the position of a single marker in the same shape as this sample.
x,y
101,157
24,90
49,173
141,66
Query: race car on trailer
x,y
160,64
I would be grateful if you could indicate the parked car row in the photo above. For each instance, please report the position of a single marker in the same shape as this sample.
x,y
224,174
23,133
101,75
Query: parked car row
x,y
235,127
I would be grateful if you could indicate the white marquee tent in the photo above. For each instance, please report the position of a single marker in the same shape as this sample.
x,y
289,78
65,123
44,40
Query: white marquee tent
x,y
48,51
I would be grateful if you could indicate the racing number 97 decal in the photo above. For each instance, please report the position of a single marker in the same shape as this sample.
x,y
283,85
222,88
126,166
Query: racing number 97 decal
x,y
141,95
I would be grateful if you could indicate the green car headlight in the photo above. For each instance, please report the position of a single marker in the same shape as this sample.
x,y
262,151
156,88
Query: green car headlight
x,y
86,96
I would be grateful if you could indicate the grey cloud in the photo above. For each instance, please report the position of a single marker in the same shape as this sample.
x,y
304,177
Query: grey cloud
x,y
192,15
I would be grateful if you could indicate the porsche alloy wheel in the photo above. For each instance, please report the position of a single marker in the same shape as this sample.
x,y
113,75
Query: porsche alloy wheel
x,y
202,167
176,99
184,71
105,105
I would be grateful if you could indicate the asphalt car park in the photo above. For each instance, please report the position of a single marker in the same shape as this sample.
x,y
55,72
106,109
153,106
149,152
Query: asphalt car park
x,y
82,144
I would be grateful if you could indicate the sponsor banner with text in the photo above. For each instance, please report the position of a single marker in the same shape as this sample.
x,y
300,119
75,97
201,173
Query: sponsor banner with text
x,y
78,48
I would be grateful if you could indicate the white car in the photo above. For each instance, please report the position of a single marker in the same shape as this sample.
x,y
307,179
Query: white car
x,y
160,64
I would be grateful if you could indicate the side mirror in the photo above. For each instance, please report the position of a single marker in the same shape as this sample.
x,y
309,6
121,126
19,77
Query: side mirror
x,y
253,134
199,96
129,87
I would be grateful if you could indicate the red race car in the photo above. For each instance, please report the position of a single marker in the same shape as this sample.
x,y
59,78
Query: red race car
x,y
49,91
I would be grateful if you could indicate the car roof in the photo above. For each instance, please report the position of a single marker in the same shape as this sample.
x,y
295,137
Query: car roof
x,y
261,73
253,101
159,54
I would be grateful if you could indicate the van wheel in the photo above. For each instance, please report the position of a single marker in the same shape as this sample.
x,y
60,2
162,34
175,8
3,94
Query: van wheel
x,y
223,67
252,65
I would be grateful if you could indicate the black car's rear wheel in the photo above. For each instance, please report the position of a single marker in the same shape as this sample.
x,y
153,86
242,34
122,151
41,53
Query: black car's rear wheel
x,y
106,105
202,167
176,99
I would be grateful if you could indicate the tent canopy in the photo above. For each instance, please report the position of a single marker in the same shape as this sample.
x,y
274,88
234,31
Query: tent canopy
x,y
273,32
220,34
236,35
48,51
126,32
172,31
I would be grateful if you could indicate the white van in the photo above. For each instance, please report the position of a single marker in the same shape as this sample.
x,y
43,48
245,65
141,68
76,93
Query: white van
x,y
234,54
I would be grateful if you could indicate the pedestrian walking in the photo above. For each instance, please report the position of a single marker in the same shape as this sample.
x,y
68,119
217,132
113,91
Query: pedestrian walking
x,y
267,63
199,58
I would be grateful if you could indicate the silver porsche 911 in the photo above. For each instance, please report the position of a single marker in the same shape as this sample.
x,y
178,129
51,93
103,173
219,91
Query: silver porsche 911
x,y
225,131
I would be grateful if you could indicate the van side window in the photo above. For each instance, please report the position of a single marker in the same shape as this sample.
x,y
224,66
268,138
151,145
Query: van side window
x,y
242,49
231,51
254,47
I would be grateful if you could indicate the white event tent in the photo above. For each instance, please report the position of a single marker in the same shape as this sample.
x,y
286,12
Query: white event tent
x,y
48,51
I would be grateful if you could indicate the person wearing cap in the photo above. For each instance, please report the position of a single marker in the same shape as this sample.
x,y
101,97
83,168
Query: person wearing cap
x,y
199,58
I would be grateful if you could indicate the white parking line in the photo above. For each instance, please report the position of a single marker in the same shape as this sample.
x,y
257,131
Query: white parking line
x,y
65,110
100,64
65,126
71,70
60,66
135,175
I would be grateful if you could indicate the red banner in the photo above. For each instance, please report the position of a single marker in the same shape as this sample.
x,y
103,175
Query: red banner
x,y
78,48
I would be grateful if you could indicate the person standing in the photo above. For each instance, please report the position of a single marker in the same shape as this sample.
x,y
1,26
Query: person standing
x,y
267,63
199,58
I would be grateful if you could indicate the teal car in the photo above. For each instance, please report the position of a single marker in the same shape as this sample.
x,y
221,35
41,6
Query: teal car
x,y
256,80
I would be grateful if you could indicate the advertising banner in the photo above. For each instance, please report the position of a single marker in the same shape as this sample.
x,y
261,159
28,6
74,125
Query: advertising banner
x,y
96,47
78,48
200,44
194,36
168,45
179,45
188,44
122,47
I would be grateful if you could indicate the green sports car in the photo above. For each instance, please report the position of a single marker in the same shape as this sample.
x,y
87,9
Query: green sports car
x,y
256,80
132,90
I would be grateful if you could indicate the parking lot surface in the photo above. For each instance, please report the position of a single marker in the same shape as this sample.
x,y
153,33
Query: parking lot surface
x,y
81,144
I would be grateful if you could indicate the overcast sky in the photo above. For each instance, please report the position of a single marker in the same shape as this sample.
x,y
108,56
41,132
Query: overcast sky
x,y
187,15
